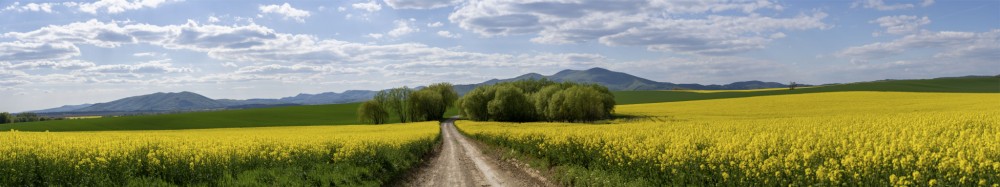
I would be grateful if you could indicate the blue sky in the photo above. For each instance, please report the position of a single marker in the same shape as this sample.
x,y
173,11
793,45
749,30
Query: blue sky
x,y
54,53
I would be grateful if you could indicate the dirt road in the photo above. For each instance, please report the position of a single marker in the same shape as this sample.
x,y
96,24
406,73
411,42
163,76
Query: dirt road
x,y
460,162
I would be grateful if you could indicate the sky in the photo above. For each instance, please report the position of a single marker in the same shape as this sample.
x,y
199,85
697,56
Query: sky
x,y
55,53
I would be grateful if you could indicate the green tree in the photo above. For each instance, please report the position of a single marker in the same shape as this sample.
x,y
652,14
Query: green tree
x,y
541,99
447,92
5,118
372,112
474,103
425,105
26,117
394,101
510,104
577,103
607,98
532,100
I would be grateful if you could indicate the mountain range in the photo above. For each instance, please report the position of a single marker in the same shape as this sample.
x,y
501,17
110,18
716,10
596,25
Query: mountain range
x,y
189,101
619,81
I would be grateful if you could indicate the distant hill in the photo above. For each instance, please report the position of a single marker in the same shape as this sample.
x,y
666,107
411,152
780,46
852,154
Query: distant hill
x,y
64,108
180,101
348,96
189,101
619,81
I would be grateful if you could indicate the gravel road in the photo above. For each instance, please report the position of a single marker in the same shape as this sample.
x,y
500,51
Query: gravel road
x,y
460,162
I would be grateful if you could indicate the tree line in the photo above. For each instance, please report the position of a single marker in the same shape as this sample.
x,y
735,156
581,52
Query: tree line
x,y
408,105
6,117
538,100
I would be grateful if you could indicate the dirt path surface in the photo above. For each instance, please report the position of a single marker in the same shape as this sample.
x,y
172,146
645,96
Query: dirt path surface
x,y
460,162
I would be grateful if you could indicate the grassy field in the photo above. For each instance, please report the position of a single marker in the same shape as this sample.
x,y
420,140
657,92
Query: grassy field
x,y
334,114
817,139
945,85
347,155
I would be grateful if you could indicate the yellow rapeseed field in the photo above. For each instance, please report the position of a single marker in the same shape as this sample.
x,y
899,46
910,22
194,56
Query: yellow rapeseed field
x,y
824,139
200,156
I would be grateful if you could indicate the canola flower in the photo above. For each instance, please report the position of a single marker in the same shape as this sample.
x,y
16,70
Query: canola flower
x,y
821,139
199,156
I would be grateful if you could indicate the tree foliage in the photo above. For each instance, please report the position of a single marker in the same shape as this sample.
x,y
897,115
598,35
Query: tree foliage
x,y
538,100
372,112
409,105
394,101
510,104
6,118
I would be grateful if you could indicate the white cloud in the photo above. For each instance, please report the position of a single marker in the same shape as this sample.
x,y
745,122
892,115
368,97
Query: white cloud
x,y
32,51
435,24
420,4
230,65
957,45
254,43
295,69
213,19
881,5
717,35
708,70
447,34
681,27
150,67
374,35
371,6
902,24
106,6
148,54
309,57
62,64
119,6
403,27
33,7
285,10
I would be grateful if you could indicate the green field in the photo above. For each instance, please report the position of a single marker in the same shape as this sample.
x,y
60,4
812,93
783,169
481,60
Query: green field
x,y
943,85
333,114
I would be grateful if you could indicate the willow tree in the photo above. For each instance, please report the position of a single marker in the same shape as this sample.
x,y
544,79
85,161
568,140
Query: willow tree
x,y
394,101
372,112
